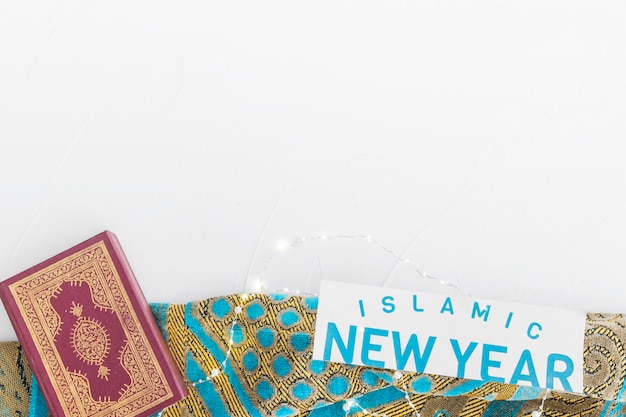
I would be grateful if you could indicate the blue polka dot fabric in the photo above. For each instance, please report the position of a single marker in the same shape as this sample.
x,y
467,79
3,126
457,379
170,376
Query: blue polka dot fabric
x,y
251,355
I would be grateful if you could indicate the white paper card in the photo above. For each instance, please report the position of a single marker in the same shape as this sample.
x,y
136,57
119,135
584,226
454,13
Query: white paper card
x,y
451,335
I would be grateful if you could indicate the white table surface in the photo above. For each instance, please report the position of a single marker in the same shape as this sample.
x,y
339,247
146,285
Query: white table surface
x,y
484,141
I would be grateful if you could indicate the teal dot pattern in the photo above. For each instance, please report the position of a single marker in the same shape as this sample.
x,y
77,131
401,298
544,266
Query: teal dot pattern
x,y
282,366
338,385
302,390
300,341
250,361
266,337
237,334
289,318
422,385
255,311
262,346
273,344
268,342
265,390
220,308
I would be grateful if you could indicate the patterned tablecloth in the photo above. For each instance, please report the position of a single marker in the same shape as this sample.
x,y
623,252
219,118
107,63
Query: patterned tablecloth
x,y
250,355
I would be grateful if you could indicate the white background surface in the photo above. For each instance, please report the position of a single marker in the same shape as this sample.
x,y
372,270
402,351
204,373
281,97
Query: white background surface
x,y
482,140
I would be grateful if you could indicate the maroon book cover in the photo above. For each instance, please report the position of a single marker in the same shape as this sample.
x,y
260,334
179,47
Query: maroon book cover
x,y
89,334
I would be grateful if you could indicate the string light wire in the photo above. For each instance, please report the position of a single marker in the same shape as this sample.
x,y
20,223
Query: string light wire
x,y
351,403
540,410
259,287
283,246
398,377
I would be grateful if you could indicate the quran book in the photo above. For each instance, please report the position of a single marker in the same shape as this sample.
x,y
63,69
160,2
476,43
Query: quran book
x,y
89,334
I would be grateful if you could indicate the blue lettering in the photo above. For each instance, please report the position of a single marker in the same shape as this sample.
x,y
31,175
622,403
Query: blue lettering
x,y
369,346
362,308
447,306
476,310
508,320
420,358
552,373
415,308
389,306
530,328
332,334
462,357
487,362
525,360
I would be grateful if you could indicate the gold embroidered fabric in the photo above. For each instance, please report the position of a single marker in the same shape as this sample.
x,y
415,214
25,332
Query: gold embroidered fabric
x,y
15,380
250,355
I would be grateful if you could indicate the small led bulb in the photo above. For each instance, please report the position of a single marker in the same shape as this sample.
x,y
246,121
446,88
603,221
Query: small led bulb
x,y
258,285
